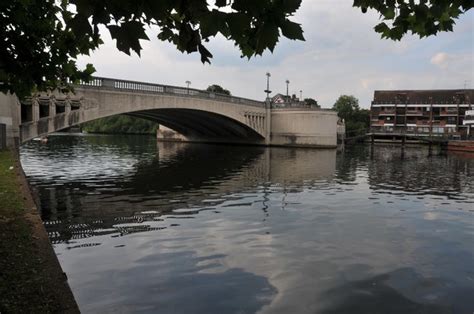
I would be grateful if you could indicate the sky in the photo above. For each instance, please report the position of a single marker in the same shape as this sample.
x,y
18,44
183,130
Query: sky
x,y
342,54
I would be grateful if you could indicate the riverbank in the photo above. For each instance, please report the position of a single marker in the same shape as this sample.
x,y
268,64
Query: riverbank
x,y
31,279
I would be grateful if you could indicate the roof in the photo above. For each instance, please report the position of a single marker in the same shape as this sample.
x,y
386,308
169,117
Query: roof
x,y
424,96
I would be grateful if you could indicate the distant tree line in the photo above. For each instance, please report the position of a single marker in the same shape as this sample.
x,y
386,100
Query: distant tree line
x,y
121,124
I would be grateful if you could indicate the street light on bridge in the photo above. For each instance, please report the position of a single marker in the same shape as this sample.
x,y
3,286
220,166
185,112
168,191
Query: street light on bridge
x,y
187,84
287,83
268,91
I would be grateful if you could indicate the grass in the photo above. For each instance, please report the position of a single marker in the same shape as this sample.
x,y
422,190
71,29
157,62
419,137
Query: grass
x,y
11,200
25,282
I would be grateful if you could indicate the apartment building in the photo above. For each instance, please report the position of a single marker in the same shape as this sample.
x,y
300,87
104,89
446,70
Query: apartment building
x,y
422,112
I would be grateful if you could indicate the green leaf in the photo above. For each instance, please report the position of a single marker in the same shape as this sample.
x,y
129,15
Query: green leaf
x,y
292,30
205,54
389,13
383,29
289,6
128,35
267,37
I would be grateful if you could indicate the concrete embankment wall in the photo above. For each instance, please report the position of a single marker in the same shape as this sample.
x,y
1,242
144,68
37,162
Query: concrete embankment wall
x,y
304,127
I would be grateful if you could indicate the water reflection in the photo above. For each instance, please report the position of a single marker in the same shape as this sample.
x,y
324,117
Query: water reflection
x,y
382,294
201,228
123,188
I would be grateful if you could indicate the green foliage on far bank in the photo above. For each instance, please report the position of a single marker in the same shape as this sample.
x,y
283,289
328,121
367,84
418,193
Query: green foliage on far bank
x,y
120,124
357,120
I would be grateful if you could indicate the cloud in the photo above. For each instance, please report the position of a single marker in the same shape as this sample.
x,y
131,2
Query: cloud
x,y
341,55
440,59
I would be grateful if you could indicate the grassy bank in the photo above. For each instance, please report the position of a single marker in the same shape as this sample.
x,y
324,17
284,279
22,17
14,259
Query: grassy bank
x,y
31,280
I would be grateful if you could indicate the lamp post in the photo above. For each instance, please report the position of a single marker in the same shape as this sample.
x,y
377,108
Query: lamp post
x,y
268,112
301,95
268,91
287,83
187,84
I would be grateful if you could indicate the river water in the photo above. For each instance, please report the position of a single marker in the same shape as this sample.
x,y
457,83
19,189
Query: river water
x,y
147,227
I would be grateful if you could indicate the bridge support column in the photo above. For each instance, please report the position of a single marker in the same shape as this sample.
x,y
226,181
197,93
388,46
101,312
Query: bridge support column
x,y
35,109
67,106
52,107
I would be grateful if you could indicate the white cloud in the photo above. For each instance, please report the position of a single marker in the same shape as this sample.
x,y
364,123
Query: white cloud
x,y
440,59
342,55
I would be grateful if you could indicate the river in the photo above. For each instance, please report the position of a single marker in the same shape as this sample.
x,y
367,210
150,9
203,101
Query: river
x,y
147,227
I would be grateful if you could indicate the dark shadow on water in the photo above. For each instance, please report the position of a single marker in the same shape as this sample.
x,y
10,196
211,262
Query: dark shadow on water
x,y
400,291
178,283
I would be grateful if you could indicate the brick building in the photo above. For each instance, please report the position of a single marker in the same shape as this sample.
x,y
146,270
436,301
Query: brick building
x,y
422,112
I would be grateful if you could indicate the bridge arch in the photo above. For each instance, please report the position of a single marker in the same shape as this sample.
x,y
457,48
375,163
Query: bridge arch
x,y
198,115
200,125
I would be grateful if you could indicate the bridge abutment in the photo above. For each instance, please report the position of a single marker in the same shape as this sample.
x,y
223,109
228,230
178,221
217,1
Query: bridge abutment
x,y
10,117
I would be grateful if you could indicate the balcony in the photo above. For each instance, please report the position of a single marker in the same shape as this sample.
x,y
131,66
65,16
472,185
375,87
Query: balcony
x,y
387,112
448,113
414,113
377,123
439,123
423,123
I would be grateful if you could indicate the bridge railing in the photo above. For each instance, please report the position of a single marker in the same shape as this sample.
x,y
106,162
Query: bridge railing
x,y
102,82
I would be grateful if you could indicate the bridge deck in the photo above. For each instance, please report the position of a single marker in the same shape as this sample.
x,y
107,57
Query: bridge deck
x,y
130,86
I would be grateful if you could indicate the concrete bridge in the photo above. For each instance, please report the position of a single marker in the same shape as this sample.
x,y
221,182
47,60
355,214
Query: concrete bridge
x,y
198,115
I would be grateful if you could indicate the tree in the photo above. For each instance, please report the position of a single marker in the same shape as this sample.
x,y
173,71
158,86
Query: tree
x,y
423,17
218,89
40,53
312,102
346,106
357,120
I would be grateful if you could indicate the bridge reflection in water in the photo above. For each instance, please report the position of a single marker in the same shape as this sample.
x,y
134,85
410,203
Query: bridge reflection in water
x,y
128,190
218,229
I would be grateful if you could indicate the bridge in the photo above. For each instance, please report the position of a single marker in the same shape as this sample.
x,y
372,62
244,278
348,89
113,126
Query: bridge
x,y
198,115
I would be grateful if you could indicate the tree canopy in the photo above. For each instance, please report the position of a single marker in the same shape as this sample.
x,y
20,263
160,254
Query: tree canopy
x,y
41,40
346,106
312,102
423,17
218,89
357,120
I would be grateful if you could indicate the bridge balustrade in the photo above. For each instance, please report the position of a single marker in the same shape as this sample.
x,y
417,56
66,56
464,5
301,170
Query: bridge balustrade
x,y
166,89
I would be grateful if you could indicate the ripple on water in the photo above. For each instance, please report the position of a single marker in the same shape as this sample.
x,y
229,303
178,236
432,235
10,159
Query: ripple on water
x,y
213,229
